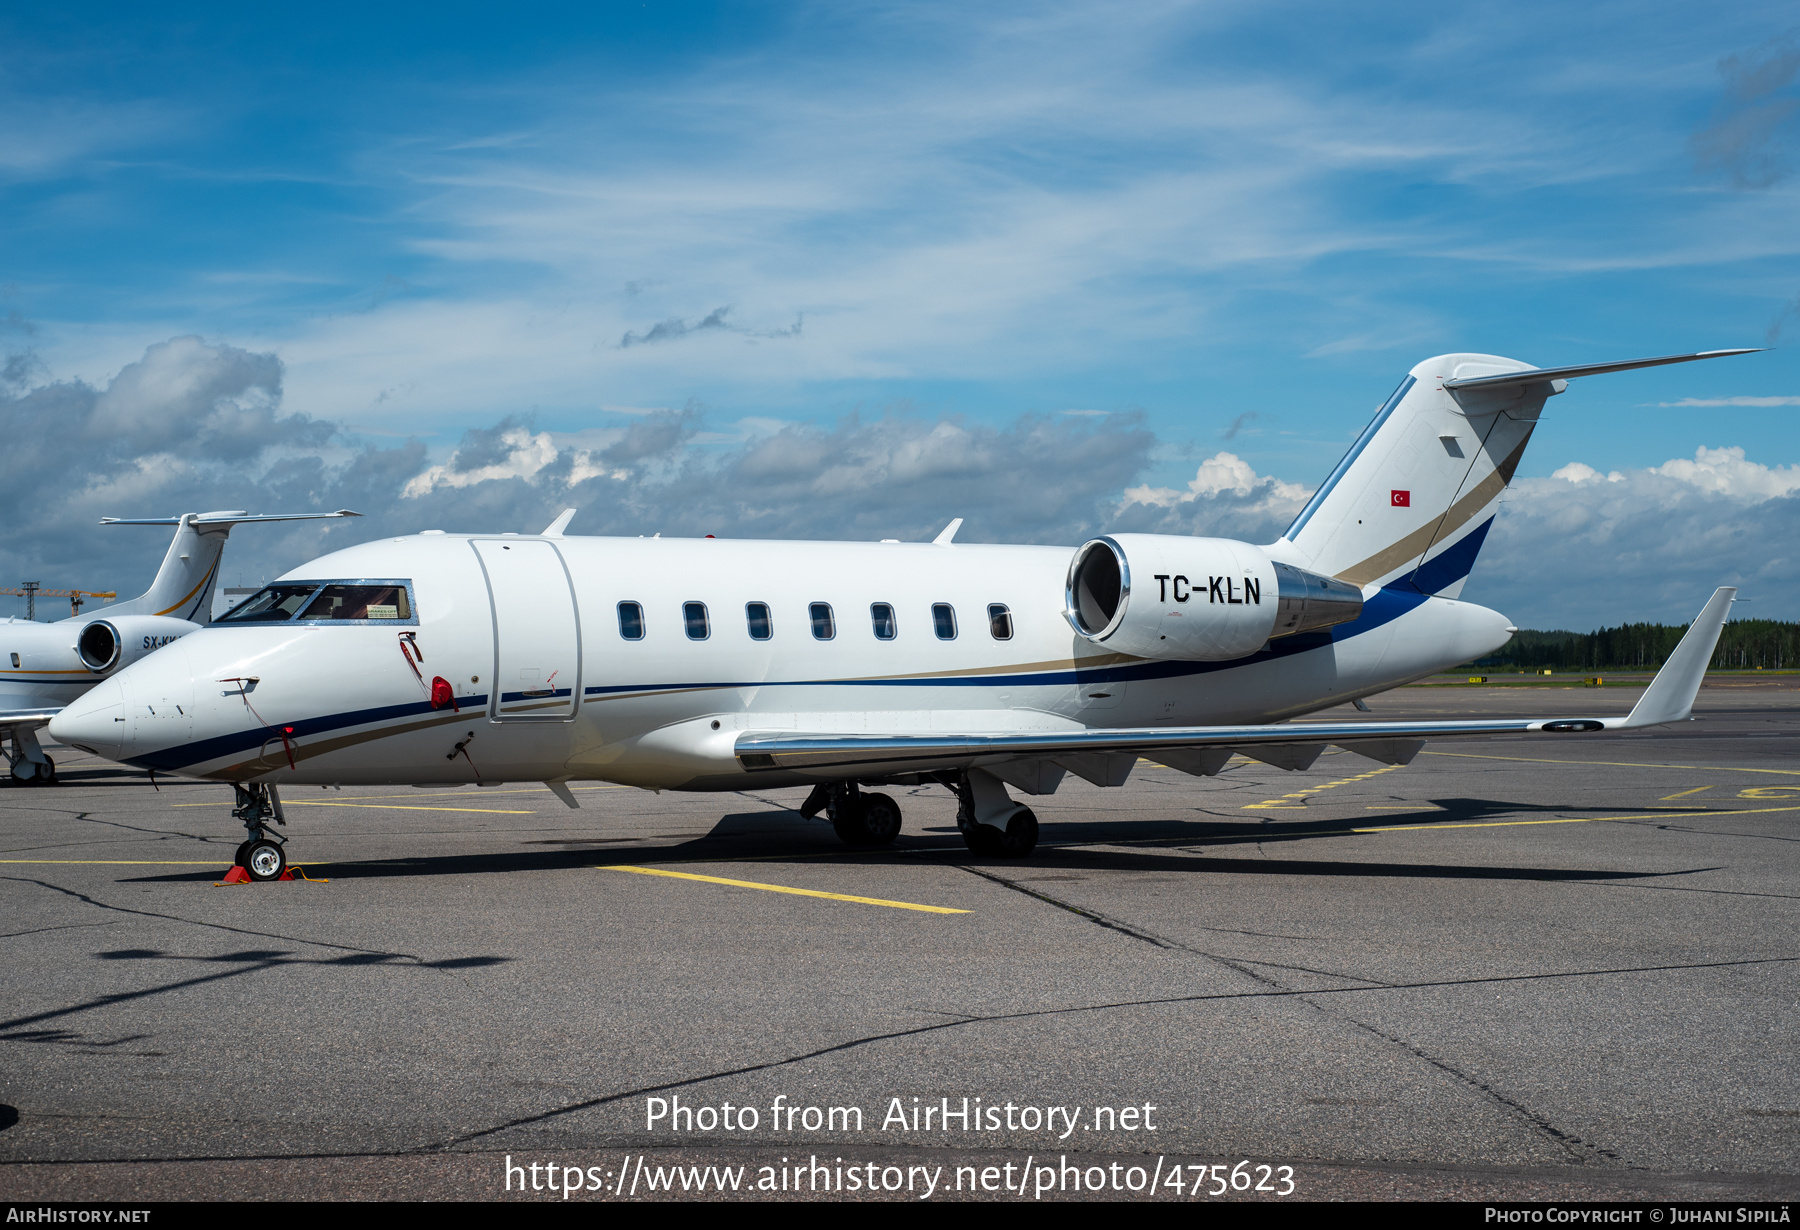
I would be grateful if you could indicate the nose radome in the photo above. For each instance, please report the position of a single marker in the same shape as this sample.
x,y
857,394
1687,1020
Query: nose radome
x,y
95,721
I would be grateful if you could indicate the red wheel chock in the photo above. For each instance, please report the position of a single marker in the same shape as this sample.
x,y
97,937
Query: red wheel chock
x,y
237,875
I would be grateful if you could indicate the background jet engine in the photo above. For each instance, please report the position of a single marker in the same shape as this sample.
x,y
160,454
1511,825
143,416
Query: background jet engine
x,y
1195,599
105,645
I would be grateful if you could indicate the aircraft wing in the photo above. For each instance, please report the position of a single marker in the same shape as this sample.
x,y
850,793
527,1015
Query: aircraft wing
x,y
27,717
1669,698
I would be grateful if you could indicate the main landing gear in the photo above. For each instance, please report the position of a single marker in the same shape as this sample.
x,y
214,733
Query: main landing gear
x,y
262,855
992,824
30,767
858,819
34,772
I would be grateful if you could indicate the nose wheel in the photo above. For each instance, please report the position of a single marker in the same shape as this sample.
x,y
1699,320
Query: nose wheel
x,y
261,856
264,860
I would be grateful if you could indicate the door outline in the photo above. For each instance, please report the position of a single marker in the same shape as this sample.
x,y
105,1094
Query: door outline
x,y
494,693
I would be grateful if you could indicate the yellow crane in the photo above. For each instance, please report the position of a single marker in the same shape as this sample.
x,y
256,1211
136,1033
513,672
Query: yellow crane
x,y
32,591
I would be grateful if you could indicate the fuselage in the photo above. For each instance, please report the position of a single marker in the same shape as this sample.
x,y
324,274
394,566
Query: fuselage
x,y
641,660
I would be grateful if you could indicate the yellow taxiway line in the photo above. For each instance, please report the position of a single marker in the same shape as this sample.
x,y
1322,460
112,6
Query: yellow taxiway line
x,y
1282,804
782,888
486,811
115,862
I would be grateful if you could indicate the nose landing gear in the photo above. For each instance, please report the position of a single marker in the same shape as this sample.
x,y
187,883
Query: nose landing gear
x,y
261,855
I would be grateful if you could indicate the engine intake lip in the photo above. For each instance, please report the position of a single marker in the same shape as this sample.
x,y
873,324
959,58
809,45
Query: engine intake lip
x,y
99,646
1098,589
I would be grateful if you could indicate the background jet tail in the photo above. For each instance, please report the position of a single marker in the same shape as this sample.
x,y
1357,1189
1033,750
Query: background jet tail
x,y
1411,503
183,587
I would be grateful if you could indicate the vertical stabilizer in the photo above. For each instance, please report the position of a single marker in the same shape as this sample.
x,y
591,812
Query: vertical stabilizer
x,y
1412,501
183,587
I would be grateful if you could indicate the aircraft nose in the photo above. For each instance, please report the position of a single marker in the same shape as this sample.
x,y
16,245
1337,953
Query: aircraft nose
x,y
96,721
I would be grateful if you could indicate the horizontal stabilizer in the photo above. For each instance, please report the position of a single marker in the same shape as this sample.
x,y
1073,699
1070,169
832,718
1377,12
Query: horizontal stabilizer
x,y
1535,374
226,518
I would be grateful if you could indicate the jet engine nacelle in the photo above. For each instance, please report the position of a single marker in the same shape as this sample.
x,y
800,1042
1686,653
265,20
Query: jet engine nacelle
x,y
1196,599
105,645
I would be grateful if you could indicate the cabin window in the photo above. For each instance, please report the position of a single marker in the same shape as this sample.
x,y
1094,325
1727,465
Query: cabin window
x,y
15,659
693,618
823,626
756,614
881,615
999,621
943,621
631,621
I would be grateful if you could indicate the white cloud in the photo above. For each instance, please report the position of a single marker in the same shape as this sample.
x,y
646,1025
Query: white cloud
x,y
1724,471
1225,498
1581,472
1581,548
525,455
1733,401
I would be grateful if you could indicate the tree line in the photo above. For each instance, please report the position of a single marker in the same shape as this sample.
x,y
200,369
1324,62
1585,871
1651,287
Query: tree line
x,y
1744,644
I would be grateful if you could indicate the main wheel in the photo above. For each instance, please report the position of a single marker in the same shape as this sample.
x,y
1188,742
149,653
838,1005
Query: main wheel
x,y
47,772
265,860
1021,834
880,819
982,839
873,820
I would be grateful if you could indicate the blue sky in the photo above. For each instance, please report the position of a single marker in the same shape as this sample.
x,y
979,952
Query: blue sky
x,y
1190,228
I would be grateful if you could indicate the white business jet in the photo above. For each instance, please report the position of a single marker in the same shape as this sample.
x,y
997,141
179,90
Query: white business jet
x,y
683,664
47,665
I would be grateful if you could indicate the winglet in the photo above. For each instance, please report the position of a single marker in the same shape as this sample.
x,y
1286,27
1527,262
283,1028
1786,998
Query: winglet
x,y
555,528
949,533
1670,696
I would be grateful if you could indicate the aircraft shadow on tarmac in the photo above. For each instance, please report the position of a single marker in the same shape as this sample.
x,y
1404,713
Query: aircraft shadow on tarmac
x,y
212,968
771,837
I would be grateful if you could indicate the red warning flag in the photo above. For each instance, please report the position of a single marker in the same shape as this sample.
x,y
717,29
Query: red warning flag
x,y
1401,499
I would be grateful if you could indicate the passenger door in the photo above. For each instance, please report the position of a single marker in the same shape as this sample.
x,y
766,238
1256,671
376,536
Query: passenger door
x,y
537,633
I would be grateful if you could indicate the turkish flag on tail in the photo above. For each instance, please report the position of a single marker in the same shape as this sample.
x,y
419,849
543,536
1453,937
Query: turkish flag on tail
x,y
1401,499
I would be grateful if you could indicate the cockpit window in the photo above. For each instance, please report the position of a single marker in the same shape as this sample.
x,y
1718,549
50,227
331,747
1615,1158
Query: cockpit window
x,y
359,602
271,604
326,602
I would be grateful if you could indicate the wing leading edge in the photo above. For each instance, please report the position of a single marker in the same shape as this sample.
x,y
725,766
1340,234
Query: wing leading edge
x,y
1669,698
